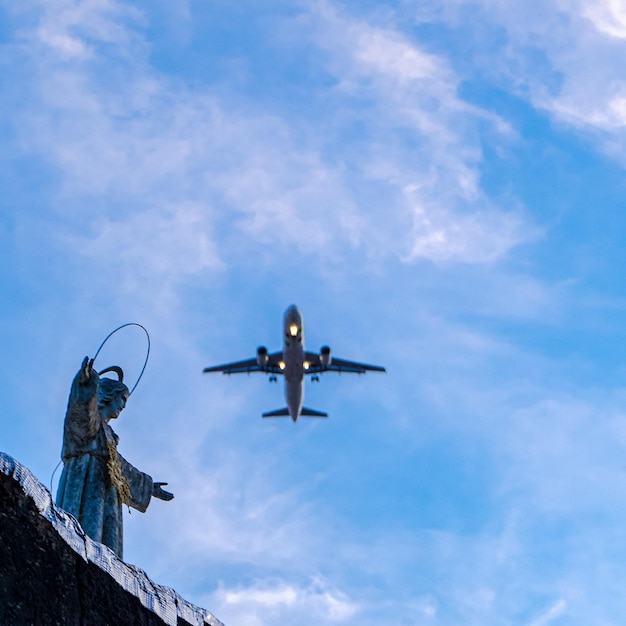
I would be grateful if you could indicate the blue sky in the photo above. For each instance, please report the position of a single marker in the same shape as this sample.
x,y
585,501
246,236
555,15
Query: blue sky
x,y
440,187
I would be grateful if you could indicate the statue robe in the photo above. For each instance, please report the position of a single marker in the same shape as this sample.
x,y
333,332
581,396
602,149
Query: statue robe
x,y
85,488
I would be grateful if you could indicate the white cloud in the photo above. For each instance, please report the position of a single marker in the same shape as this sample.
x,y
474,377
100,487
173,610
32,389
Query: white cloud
x,y
564,57
261,602
411,97
153,249
476,237
156,142
389,55
186,180
71,28
608,16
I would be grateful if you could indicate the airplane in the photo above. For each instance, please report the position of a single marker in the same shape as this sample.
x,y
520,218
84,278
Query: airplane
x,y
294,362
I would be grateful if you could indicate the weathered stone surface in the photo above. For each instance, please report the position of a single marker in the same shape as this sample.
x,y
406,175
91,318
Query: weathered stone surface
x,y
51,573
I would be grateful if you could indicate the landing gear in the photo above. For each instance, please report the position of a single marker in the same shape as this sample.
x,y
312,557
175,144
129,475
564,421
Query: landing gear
x,y
273,379
315,379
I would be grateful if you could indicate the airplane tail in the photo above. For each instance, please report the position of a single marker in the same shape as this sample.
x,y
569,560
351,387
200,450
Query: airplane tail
x,y
304,413
312,413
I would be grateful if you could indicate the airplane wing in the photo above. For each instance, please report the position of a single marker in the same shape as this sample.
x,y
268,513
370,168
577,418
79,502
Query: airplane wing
x,y
249,365
338,365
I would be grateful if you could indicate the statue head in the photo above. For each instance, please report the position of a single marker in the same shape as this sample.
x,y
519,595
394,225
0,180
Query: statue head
x,y
112,396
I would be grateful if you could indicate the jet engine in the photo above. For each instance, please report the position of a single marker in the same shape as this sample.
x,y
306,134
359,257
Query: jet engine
x,y
325,357
261,356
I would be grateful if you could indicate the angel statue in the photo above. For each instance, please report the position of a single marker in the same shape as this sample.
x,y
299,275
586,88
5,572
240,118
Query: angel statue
x,y
96,480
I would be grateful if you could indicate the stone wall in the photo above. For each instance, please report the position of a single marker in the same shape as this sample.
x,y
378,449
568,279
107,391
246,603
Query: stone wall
x,y
52,574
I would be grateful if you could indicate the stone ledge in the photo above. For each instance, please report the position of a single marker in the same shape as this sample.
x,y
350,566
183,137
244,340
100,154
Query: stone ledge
x,y
52,573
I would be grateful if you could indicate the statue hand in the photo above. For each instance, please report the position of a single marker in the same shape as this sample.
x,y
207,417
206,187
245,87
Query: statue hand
x,y
161,494
87,372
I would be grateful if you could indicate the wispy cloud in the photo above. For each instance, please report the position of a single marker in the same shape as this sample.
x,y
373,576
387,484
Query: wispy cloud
x,y
608,17
552,613
563,456
563,56
263,601
74,29
474,237
423,141
152,249
155,142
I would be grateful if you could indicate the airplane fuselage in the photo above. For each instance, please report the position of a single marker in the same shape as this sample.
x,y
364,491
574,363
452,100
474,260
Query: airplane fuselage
x,y
293,359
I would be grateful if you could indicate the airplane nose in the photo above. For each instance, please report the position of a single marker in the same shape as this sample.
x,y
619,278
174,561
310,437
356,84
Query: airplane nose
x,y
292,313
293,320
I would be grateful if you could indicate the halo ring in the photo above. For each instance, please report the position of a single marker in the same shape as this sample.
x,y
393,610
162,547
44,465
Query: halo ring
x,y
116,368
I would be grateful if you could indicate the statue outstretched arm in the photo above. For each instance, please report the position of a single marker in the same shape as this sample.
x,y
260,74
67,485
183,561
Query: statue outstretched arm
x,y
141,486
161,494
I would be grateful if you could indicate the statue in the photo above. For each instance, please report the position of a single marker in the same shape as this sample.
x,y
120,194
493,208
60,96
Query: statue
x,y
96,480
